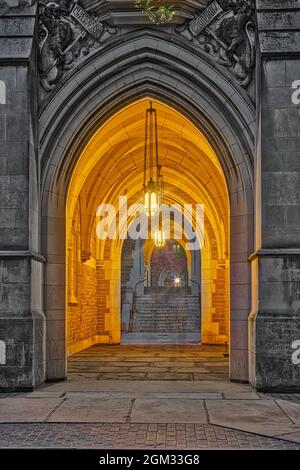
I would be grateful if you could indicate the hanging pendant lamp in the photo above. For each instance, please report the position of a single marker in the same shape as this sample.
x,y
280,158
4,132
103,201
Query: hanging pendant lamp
x,y
153,182
151,168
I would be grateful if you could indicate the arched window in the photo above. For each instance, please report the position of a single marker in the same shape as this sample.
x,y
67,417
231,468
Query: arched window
x,y
2,352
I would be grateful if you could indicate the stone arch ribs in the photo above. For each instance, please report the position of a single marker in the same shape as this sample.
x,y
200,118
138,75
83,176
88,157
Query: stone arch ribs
x,y
110,80
144,62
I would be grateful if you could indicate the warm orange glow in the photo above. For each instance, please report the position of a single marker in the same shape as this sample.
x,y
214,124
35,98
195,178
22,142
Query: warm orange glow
x,y
112,165
151,203
159,238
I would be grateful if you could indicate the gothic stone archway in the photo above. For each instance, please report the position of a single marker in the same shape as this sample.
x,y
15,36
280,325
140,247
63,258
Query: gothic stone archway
x,y
45,123
219,109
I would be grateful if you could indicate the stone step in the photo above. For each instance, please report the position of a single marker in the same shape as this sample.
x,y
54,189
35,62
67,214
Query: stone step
x,y
166,320
142,322
171,302
166,326
160,298
156,329
166,317
167,291
164,310
166,304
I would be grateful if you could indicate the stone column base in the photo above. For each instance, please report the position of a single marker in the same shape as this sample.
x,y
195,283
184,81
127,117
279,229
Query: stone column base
x,y
272,335
22,359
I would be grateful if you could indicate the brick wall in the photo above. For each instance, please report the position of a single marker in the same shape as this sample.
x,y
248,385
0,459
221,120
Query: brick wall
x,y
220,300
103,291
82,318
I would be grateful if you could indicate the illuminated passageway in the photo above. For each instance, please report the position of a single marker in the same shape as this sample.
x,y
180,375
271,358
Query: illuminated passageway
x,y
218,92
103,274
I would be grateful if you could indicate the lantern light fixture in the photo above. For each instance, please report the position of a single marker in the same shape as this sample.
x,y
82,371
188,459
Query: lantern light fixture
x,y
153,181
152,178
159,238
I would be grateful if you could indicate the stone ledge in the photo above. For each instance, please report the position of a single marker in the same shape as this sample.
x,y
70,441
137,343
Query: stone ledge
x,y
22,254
279,42
271,252
14,48
17,30
18,7
289,20
278,5
17,26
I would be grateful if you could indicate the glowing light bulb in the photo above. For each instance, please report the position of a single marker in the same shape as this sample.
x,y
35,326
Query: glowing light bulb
x,y
159,238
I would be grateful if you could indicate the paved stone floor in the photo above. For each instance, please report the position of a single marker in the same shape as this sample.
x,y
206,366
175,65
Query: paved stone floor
x,y
155,362
160,338
149,397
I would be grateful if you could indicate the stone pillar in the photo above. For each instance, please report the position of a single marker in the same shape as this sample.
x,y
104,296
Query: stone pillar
x,y
275,317
22,322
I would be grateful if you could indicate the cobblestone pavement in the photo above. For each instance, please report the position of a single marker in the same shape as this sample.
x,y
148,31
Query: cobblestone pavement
x,y
134,436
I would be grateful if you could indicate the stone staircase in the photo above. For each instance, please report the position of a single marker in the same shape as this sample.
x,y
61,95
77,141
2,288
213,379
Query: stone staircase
x,y
166,310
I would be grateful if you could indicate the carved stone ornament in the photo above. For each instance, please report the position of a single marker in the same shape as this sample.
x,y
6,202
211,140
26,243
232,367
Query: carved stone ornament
x,y
226,30
67,33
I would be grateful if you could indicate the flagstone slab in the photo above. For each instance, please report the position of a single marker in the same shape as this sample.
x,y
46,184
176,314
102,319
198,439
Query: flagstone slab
x,y
122,376
85,409
168,411
27,410
291,409
174,363
169,376
206,376
193,370
87,376
148,369
258,416
241,395
96,369
45,394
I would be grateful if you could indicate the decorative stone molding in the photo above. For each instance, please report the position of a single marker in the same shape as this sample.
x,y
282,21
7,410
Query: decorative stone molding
x,y
67,32
226,30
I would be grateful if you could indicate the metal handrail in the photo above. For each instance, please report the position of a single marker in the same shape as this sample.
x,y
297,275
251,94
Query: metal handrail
x,y
199,293
133,306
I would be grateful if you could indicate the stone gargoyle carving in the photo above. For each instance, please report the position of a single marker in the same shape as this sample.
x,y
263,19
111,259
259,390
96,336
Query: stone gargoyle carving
x,y
67,33
226,30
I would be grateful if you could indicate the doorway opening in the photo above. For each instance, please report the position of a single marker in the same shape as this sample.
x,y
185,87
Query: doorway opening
x,y
109,279
164,306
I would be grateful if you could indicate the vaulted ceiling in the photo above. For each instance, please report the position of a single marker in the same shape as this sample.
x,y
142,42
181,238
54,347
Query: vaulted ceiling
x,y
111,165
